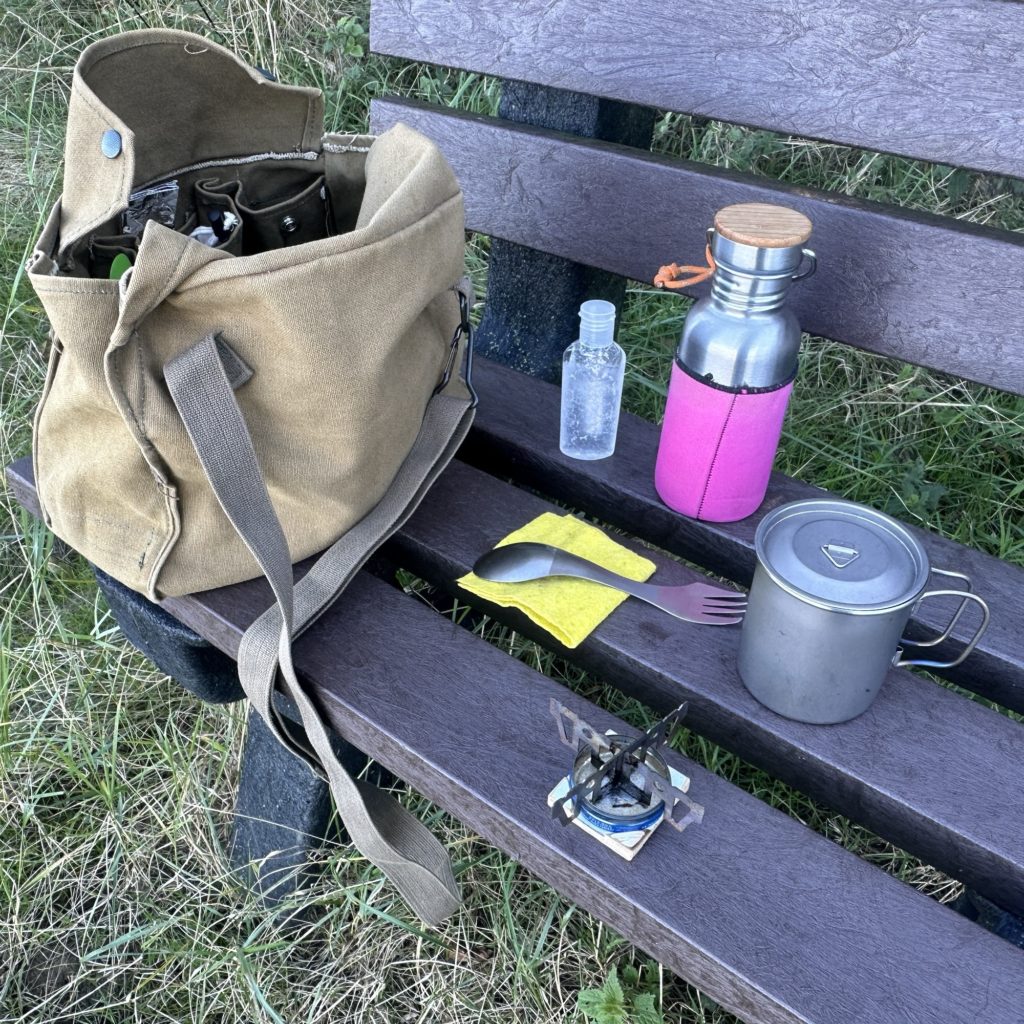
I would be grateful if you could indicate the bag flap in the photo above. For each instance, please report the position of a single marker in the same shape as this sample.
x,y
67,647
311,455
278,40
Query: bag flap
x,y
146,103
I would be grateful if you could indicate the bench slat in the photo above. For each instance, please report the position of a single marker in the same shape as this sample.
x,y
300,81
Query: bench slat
x,y
936,81
769,919
935,773
621,491
852,945
924,289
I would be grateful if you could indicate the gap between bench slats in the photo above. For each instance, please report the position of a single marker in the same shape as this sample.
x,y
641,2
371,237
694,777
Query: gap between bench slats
x,y
928,769
934,81
620,490
925,289
769,919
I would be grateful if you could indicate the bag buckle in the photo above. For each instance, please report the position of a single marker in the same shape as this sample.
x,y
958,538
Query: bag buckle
x,y
464,330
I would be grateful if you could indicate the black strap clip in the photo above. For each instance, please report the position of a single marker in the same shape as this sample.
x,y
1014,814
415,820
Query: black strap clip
x,y
464,330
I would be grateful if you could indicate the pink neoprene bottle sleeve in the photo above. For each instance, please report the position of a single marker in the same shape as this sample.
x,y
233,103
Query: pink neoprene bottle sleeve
x,y
717,448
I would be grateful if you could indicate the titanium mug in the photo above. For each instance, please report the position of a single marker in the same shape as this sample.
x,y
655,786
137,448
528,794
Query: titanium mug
x,y
834,588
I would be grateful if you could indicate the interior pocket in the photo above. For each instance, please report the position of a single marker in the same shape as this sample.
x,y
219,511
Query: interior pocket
x,y
218,213
292,220
103,251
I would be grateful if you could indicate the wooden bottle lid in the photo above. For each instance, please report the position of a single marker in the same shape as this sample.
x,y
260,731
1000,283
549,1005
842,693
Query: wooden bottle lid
x,y
763,224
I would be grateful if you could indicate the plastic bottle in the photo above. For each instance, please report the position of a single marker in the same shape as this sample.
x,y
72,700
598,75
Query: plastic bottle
x,y
592,372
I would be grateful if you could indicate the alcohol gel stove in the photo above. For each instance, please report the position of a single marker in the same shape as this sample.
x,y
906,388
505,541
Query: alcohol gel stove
x,y
620,789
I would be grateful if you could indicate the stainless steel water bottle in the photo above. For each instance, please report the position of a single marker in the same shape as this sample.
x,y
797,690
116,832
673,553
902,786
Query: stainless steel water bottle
x,y
735,366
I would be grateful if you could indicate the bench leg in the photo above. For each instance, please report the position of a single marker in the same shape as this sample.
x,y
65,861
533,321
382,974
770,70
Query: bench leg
x,y
533,298
175,649
282,812
282,809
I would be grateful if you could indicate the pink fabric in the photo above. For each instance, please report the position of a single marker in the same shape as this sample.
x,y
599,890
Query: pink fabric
x,y
717,448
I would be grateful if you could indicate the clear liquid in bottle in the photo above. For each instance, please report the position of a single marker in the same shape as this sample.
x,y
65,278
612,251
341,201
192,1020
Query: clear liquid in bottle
x,y
593,369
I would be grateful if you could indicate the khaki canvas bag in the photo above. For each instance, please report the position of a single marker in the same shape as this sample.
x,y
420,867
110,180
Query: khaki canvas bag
x,y
276,373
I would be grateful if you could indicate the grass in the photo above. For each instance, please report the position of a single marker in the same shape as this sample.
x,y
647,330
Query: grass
x,y
117,786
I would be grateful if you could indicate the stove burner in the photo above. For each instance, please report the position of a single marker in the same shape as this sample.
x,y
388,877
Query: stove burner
x,y
618,784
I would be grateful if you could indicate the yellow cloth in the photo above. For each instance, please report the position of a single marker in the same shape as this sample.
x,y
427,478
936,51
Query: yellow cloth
x,y
569,609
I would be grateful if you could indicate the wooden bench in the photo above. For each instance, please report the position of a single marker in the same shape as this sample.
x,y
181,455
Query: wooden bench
x,y
767,917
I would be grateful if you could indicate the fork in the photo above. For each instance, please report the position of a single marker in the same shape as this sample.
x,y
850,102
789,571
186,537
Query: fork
x,y
694,602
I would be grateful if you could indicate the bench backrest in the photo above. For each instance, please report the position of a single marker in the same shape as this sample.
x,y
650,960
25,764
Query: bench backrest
x,y
915,79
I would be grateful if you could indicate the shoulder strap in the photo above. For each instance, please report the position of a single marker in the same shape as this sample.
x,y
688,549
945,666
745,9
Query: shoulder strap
x,y
380,828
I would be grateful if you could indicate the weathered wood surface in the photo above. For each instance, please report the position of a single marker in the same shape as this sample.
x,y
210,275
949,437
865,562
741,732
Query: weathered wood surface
x,y
769,919
928,290
21,482
620,490
530,336
940,81
935,773
891,770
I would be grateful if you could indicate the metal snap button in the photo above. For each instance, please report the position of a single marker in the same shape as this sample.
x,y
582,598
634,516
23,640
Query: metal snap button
x,y
289,225
110,144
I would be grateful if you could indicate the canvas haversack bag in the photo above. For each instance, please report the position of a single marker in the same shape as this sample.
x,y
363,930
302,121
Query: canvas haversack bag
x,y
257,340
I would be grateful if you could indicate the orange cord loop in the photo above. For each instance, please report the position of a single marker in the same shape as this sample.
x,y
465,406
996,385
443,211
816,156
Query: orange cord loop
x,y
668,276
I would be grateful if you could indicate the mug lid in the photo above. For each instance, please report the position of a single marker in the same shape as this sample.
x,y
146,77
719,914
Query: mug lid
x,y
838,555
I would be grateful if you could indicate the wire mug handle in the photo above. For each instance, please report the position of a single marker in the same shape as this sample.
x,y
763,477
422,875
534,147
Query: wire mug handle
x,y
966,597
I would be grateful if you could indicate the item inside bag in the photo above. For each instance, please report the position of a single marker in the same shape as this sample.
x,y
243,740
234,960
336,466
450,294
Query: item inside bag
x,y
263,223
104,253
241,209
159,203
219,220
